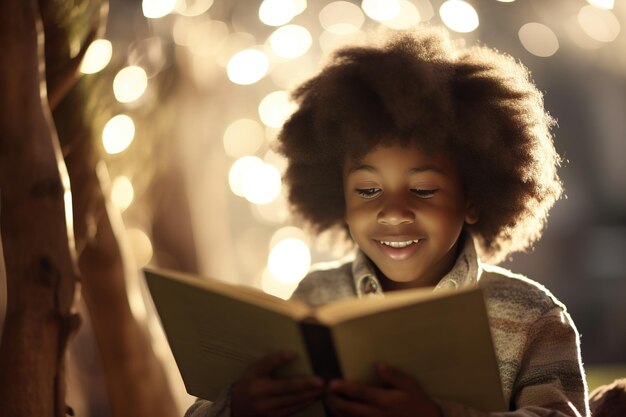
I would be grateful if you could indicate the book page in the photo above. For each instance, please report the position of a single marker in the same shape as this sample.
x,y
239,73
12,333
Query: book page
x,y
350,308
445,343
247,294
215,337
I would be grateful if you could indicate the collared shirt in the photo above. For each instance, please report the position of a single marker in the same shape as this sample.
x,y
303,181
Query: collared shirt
x,y
465,272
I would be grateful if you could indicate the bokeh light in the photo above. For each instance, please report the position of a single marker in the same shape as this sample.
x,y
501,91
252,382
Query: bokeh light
x,y
262,184
118,133
253,179
408,17
240,169
247,67
130,83
599,24
289,260
190,8
277,12
290,41
538,39
459,16
273,286
603,4
154,9
122,192
140,246
243,137
341,17
97,56
381,10
275,108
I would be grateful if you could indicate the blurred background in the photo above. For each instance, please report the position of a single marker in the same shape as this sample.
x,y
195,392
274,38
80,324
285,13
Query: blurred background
x,y
190,94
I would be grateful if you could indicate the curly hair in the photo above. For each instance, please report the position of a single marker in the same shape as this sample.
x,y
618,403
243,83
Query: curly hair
x,y
420,88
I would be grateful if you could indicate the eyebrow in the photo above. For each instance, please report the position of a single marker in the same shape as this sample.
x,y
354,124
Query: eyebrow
x,y
414,170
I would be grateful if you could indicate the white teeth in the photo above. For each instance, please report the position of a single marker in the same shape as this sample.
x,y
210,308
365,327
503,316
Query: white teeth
x,y
399,244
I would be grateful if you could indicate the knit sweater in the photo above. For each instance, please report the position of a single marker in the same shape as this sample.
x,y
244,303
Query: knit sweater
x,y
537,346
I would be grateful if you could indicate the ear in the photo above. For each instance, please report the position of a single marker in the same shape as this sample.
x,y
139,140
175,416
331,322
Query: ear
x,y
471,214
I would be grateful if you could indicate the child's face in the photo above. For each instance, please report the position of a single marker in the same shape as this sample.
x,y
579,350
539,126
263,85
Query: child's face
x,y
406,209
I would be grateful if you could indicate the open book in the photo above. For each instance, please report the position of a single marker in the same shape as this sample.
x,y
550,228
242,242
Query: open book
x,y
441,338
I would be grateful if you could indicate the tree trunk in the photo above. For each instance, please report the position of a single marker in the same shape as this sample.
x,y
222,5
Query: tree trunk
x,y
36,234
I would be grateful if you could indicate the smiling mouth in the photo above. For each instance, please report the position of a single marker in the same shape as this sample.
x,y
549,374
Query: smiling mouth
x,y
398,245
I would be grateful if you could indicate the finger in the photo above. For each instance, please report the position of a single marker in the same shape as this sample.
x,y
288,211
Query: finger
x,y
294,385
290,410
290,401
268,364
348,408
397,379
356,391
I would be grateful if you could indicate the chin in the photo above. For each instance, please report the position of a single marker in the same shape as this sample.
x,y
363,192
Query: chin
x,y
400,277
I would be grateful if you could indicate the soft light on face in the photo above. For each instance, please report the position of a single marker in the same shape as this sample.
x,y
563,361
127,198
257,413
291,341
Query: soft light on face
x,y
406,210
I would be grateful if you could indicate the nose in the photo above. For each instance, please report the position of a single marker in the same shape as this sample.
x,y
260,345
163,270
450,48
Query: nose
x,y
395,212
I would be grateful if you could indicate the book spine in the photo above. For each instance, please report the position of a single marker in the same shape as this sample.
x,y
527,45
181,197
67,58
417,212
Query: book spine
x,y
321,349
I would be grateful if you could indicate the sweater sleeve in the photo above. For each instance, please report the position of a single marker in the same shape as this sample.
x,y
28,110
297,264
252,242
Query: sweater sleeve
x,y
550,381
218,408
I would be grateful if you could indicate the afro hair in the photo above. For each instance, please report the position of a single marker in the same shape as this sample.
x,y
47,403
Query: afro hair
x,y
419,88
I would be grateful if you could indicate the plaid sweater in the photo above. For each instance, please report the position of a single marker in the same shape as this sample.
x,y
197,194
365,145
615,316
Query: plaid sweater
x,y
536,343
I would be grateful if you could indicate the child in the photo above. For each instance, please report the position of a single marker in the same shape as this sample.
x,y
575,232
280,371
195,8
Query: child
x,y
434,157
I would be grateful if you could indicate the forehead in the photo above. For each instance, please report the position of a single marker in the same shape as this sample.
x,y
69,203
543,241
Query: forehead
x,y
399,157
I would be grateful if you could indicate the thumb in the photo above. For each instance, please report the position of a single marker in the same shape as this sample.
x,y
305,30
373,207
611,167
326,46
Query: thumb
x,y
268,364
397,379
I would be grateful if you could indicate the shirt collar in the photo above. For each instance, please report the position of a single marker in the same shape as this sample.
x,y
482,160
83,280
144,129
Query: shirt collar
x,y
465,272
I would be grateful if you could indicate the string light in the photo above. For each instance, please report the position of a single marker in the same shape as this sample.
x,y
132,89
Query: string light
x,y
97,56
118,133
247,67
459,16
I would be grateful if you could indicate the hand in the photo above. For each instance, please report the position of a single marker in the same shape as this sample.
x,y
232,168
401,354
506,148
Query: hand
x,y
403,397
259,393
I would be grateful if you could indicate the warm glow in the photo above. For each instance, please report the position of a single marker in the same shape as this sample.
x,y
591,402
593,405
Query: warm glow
x,y
603,4
118,133
599,24
538,39
273,286
287,232
274,212
381,10
192,8
425,9
242,168
341,17
243,137
289,260
130,83
506,1
330,41
459,16
97,56
253,179
275,108
140,246
262,184
154,9
122,192
290,41
247,67
277,12
408,17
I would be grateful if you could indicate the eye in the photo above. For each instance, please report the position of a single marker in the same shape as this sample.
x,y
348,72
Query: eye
x,y
368,192
422,193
